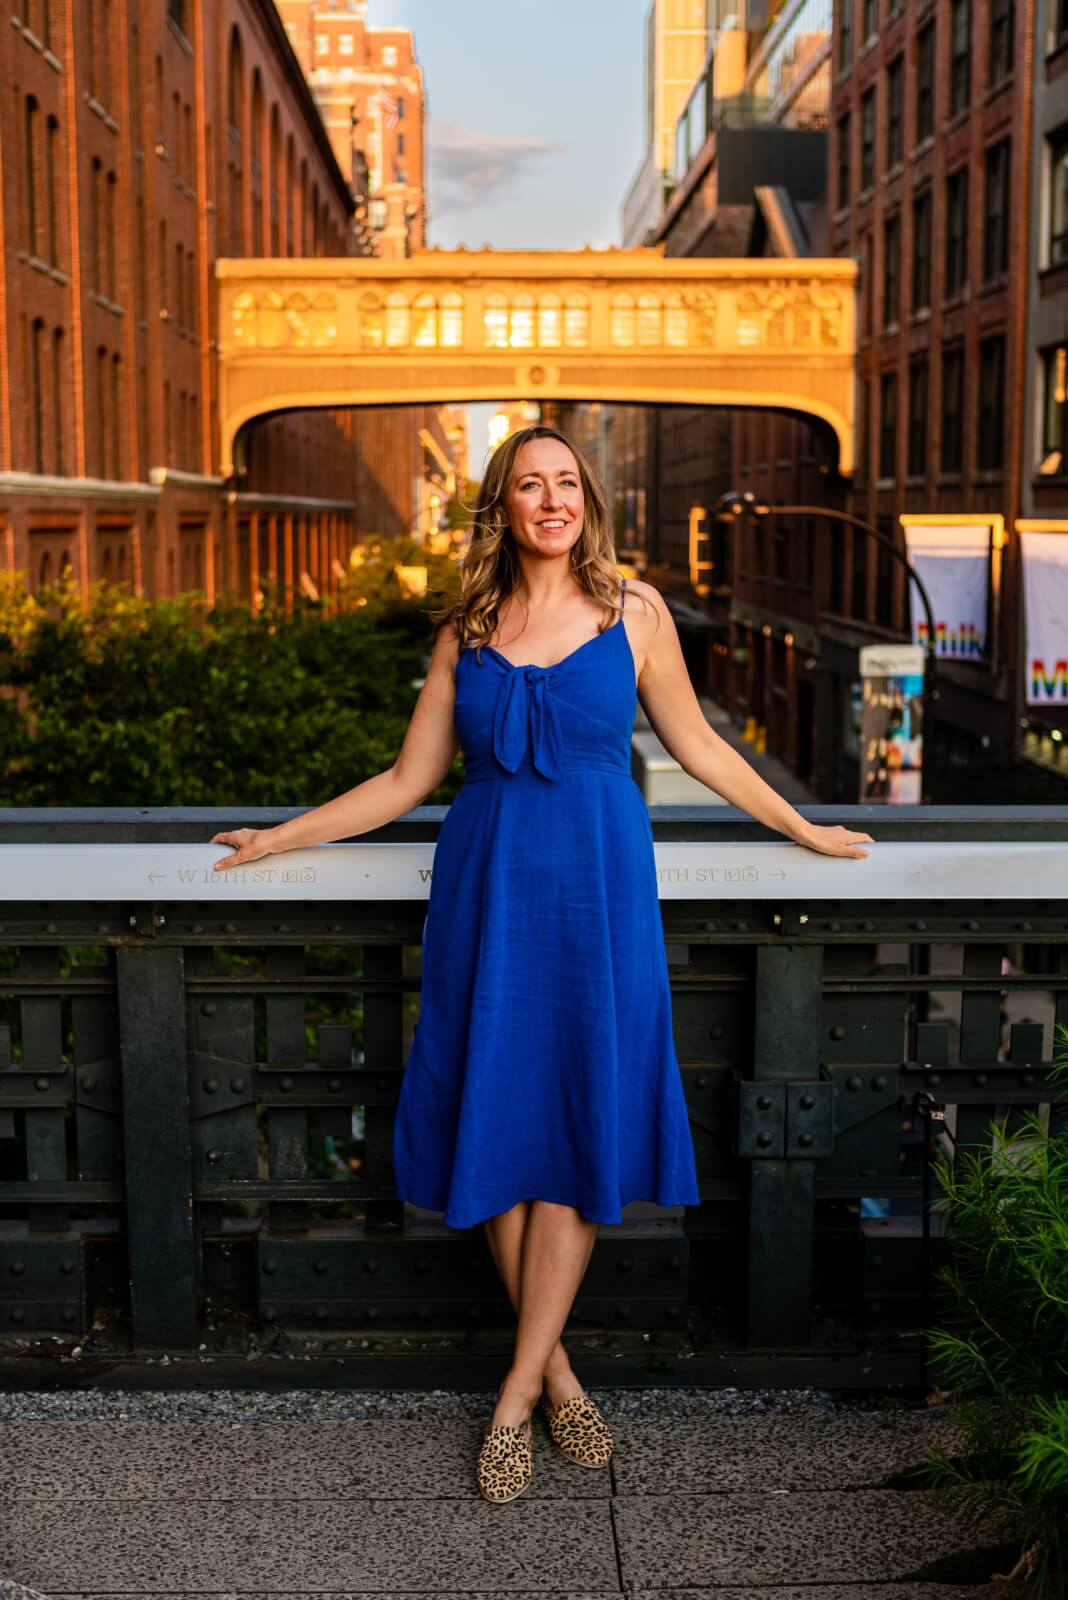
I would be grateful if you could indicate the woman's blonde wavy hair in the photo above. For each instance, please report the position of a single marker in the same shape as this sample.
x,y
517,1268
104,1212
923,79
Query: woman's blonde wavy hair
x,y
490,570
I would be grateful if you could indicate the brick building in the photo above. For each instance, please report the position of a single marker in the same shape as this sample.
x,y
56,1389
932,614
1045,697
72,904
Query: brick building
x,y
140,144
368,86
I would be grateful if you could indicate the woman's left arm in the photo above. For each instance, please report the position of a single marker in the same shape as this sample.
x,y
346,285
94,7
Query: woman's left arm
x,y
675,715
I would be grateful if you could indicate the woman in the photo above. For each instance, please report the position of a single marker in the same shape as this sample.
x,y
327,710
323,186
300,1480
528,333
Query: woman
x,y
542,1091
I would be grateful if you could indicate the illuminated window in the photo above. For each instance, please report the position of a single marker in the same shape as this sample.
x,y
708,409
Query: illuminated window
x,y
346,44
495,321
550,322
451,321
389,55
371,322
424,320
521,335
622,319
398,320
676,322
576,320
650,320
322,44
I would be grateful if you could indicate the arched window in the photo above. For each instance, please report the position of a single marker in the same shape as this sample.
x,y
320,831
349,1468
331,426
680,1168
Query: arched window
x,y
116,417
676,322
650,319
291,185
576,321
305,202
51,149
275,183
398,319
44,571
317,222
37,355
370,322
550,322
101,411
111,240
495,321
424,320
58,402
256,164
32,125
621,321
235,123
451,321
521,322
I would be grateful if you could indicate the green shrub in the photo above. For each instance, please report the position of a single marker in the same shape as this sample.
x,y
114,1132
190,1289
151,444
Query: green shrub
x,y
1005,1362
113,700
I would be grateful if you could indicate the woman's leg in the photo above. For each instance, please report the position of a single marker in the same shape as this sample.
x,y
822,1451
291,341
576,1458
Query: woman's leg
x,y
542,1251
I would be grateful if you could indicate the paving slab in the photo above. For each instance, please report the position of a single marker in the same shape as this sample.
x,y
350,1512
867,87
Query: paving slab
x,y
249,1461
864,1536
687,1455
376,1546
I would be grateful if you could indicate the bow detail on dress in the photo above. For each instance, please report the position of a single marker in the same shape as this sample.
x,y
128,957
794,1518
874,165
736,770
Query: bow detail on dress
x,y
526,712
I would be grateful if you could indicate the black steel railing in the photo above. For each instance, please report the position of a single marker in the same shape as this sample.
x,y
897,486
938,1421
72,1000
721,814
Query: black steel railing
x,y
197,1085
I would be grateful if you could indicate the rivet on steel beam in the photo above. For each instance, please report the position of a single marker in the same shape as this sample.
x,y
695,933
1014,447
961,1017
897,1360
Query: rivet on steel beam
x,y
285,1083
198,927
763,1102
806,1102
934,1079
320,1266
701,1081
370,1265
919,927
804,1140
213,1157
17,1268
67,1314
854,1083
1023,927
716,1031
834,927
674,1311
284,927
229,927
269,1314
1027,1078
237,1085
624,1264
321,1313
979,1079
674,1262
336,927
708,927
868,927
51,927
208,1009
741,927
270,1264
66,1265
763,1140
18,1315
837,1031
334,1085
41,1084
210,1085
103,927
623,1313
972,926
880,1081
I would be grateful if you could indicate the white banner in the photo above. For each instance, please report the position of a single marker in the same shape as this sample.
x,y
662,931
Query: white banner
x,y
953,561
1045,578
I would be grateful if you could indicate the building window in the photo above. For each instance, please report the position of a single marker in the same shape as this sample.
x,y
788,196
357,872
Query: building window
x,y
996,212
1002,28
952,409
30,173
887,423
400,108
956,231
346,44
1058,198
895,90
1055,412
921,252
322,44
991,442
871,19
867,140
844,132
389,55
845,33
51,163
917,445
891,271
36,375
925,82
1062,23
869,285
960,56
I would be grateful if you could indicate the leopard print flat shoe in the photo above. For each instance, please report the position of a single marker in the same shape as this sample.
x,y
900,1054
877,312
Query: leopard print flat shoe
x,y
579,1431
505,1462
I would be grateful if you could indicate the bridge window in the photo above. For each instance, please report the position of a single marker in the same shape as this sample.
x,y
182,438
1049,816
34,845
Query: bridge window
x,y
398,320
576,320
621,322
521,333
451,321
424,320
650,320
676,322
495,321
550,322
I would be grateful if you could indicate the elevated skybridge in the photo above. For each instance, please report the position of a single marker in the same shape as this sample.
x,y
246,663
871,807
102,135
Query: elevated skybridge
x,y
611,325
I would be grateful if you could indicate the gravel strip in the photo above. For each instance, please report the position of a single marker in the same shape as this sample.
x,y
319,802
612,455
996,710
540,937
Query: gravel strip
x,y
313,1405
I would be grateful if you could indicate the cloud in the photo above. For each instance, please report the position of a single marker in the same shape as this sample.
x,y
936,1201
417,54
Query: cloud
x,y
469,166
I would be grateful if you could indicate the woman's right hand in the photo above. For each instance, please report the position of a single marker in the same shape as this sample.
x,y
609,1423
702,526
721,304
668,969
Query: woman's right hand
x,y
251,844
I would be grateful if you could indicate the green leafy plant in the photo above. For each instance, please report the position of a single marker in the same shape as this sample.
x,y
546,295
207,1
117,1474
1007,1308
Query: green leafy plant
x,y
1004,1363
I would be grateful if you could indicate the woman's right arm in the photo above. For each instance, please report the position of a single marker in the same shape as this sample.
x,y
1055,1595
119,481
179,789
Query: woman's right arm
x,y
426,754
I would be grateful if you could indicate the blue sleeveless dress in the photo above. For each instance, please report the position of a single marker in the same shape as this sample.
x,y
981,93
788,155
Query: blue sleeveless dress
x,y
543,1063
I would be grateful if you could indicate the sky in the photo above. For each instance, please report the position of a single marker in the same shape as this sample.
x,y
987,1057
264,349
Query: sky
x,y
535,124
536,116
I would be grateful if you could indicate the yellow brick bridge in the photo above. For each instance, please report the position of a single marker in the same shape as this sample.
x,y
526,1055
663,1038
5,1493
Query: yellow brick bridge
x,y
612,325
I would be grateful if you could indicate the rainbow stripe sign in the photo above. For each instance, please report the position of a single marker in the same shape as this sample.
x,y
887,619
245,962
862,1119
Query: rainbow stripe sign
x,y
1044,546
951,554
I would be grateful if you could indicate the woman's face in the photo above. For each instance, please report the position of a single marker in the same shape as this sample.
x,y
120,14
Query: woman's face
x,y
544,498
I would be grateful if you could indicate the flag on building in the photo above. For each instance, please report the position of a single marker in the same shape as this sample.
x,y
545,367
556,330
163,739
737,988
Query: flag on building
x,y
390,115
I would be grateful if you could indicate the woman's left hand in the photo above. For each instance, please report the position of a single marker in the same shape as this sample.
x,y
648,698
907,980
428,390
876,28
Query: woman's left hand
x,y
835,841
